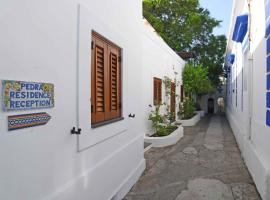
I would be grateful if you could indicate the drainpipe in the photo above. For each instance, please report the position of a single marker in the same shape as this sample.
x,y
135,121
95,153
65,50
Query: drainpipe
x,y
250,94
249,21
250,74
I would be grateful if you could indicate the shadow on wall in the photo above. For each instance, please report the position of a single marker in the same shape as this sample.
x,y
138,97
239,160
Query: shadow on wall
x,y
236,90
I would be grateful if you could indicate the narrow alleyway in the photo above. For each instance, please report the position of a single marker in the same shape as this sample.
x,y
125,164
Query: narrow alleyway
x,y
205,165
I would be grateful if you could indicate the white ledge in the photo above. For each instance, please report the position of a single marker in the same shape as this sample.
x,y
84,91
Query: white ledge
x,y
190,122
201,112
168,140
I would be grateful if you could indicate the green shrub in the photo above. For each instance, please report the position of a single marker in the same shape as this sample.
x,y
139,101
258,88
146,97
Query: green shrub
x,y
156,118
186,109
164,130
159,123
172,127
196,80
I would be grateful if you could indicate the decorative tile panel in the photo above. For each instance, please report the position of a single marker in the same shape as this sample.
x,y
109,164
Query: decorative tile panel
x,y
28,120
20,95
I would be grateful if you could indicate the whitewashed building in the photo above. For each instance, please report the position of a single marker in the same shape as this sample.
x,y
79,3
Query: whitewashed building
x,y
53,42
248,86
76,82
159,62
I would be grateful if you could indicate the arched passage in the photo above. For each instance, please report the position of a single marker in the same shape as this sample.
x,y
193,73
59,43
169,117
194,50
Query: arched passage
x,y
211,106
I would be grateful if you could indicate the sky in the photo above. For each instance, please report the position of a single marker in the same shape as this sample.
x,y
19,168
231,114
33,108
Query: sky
x,y
221,10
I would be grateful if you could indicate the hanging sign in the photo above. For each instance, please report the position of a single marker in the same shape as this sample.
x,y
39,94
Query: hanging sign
x,y
28,120
20,95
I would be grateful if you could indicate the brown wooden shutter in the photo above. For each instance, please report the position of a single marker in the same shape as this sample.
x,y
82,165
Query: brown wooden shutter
x,y
105,80
98,74
114,108
173,99
157,91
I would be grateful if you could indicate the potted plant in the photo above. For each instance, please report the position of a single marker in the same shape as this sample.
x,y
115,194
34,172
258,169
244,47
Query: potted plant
x,y
165,132
187,114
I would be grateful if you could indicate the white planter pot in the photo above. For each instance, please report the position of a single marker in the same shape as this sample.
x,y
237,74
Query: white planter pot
x,y
171,139
190,122
201,112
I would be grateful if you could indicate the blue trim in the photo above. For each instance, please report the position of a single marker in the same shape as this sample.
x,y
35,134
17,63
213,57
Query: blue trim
x,y
267,9
268,64
268,28
231,58
268,117
268,46
240,28
268,82
268,100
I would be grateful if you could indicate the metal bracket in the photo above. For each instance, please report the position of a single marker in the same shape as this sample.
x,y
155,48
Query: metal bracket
x,y
131,116
74,132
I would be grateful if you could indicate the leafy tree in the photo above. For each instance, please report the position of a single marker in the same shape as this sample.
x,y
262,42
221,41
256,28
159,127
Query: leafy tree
x,y
195,80
185,26
212,56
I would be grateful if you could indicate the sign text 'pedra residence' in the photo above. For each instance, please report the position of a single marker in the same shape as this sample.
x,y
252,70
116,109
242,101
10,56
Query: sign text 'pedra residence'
x,y
19,95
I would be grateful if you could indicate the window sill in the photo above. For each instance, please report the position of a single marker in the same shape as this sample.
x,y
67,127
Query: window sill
x,y
107,122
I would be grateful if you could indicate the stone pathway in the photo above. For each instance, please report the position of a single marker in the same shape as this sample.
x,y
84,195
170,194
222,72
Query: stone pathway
x,y
204,165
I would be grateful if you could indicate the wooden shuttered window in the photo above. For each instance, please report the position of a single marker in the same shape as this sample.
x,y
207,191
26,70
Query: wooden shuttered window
x,y
105,80
157,91
173,96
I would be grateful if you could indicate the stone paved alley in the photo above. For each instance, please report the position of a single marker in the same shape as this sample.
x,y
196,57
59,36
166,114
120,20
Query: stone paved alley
x,y
205,164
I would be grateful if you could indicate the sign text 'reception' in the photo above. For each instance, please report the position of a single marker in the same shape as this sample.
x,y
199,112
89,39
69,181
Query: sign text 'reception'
x,y
19,95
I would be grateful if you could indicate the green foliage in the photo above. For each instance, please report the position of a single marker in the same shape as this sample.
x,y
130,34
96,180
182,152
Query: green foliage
x,y
185,26
171,127
164,130
195,80
170,117
186,109
156,118
159,123
168,83
212,55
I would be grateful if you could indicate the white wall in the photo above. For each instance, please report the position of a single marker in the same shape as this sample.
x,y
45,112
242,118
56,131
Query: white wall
x,y
40,41
203,100
159,60
249,123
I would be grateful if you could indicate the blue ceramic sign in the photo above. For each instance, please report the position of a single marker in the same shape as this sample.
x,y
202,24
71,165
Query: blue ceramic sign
x,y
20,95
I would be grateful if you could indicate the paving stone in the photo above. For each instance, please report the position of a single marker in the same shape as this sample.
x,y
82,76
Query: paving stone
x,y
244,191
199,139
190,150
205,164
206,189
214,136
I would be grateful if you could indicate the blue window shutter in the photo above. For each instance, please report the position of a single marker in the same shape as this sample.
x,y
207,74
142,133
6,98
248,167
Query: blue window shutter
x,y
268,100
268,82
268,64
240,28
268,46
268,117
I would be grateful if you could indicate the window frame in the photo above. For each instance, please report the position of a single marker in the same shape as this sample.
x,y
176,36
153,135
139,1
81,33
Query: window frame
x,y
109,114
157,91
173,100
